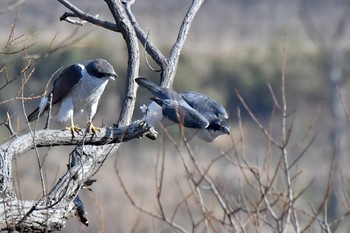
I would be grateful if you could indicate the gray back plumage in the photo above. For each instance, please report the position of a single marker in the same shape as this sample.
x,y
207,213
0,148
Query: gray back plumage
x,y
68,78
174,107
204,104
181,112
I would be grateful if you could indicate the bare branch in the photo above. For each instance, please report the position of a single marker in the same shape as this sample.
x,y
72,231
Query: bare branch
x,y
128,33
267,134
8,124
49,138
67,17
11,6
85,16
170,71
309,24
168,65
151,49
177,227
51,211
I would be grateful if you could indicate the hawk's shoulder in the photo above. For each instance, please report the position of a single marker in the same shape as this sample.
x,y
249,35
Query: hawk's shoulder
x,y
68,78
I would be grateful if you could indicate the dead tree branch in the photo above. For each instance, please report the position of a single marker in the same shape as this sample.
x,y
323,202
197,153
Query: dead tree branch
x,y
49,138
151,49
128,33
169,64
76,12
170,71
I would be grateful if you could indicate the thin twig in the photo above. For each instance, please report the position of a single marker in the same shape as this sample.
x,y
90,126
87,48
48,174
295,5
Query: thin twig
x,y
143,210
145,55
284,151
42,179
8,125
174,56
85,16
159,180
151,49
257,122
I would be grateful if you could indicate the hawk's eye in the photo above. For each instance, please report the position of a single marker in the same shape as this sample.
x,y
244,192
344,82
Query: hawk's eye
x,y
101,74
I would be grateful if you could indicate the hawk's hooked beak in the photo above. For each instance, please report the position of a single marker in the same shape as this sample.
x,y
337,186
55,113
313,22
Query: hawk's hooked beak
x,y
113,76
226,130
224,127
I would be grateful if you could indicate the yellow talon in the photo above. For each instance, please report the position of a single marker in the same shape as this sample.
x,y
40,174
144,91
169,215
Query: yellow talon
x,y
92,129
74,129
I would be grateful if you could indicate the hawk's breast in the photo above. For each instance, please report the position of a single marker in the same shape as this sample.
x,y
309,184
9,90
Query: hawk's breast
x,y
84,94
87,91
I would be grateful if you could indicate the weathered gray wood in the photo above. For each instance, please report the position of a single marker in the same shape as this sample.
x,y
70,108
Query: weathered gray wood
x,y
48,138
52,211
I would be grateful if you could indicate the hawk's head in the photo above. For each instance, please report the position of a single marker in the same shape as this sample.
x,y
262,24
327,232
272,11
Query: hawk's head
x,y
219,125
100,68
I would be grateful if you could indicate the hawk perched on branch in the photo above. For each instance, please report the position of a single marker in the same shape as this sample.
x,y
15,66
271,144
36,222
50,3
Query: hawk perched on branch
x,y
191,109
77,89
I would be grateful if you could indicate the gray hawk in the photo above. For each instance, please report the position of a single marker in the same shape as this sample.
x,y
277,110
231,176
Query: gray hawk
x,y
77,89
191,109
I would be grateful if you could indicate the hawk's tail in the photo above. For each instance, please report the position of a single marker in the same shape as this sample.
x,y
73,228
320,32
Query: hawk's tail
x,y
151,86
39,110
34,115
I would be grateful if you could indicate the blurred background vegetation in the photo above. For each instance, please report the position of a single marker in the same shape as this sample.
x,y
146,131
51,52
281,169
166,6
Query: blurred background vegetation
x,y
232,45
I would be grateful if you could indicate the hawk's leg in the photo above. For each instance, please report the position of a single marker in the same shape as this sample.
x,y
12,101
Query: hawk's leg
x,y
90,114
92,129
73,128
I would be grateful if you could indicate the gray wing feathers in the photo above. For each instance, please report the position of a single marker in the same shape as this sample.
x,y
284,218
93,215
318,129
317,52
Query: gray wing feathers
x,y
204,103
191,109
161,93
180,112
173,105
68,78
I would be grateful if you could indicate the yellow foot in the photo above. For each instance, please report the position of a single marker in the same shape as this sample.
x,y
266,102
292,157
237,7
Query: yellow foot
x,y
74,129
92,129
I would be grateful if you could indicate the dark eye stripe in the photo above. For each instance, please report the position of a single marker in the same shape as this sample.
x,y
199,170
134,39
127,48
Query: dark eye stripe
x,y
98,74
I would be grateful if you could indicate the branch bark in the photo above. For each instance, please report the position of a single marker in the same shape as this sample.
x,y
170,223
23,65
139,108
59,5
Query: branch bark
x,y
76,12
173,60
52,211
151,49
126,29
169,64
49,138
